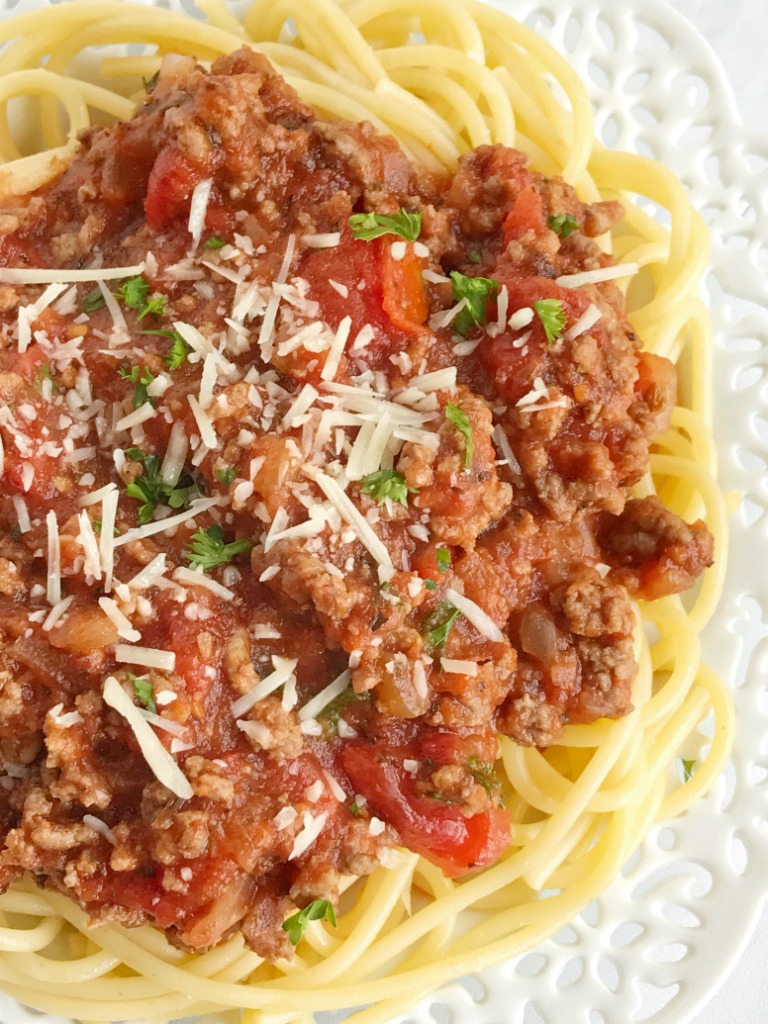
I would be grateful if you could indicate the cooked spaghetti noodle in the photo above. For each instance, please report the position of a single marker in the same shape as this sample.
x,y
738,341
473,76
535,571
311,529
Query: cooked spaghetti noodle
x,y
444,79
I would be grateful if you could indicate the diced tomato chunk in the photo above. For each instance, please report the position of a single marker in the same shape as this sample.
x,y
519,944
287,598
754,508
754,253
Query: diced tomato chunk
x,y
171,184
356,266
405,298
527,214
439,832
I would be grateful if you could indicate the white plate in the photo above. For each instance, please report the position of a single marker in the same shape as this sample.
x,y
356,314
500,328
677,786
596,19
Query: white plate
x,y
657,944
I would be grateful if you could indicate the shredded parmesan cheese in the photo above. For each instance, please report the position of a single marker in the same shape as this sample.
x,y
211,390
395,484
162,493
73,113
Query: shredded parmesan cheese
x,y
596,276
149,657
283,670
163,767
321,700
482,622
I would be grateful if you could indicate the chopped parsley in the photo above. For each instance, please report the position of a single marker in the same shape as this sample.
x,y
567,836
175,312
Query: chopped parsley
x,y
484,775
150,83
355,809
135,294
151,490
209,550
214,242
552,316
688,768
141,381
143,689
317,910
226,476
460,420
387,483
43,374
430,584
367,226
443,557
477,291
332,712
474,256
438,624
563,224
92,301
177,354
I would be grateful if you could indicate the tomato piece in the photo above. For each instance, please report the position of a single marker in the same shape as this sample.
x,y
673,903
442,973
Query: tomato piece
x,y
169,190
404,295
527,214
439,832
514,368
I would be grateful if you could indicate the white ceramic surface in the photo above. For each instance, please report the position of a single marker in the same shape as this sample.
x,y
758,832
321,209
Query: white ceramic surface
x,y
656,945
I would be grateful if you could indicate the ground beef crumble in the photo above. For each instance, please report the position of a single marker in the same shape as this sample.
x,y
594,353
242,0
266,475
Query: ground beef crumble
x,y
514,484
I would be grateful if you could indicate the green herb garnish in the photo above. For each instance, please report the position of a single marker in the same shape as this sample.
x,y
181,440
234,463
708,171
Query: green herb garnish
x,y
226,476
430,584
143,689
209,550
563,224
688,768
387,483
367,226
151,490
150,83
552,316
141,381
135,294
438,624
443,557
484,775
460,420
92,301
214,242
317,910
474,256
477,291
177,353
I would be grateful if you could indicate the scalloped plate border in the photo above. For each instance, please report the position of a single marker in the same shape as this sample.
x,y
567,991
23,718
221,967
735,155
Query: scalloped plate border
x,y
650,948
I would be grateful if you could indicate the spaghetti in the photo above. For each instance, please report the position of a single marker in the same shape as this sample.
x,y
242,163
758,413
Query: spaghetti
x,y
443,79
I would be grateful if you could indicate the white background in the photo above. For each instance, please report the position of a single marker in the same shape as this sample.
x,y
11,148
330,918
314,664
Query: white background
x,y
737,31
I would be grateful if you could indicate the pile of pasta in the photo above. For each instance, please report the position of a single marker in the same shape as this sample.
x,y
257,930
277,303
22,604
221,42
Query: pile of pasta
x,y
443,78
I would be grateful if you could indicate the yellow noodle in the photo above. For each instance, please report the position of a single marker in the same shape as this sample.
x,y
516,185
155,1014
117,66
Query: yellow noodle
x,y
579,808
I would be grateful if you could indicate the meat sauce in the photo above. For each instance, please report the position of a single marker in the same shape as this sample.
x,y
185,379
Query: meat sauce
x,y
224,384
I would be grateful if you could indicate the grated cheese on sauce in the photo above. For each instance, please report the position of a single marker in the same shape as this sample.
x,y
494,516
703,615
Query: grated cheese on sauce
x,y
160,762
482,622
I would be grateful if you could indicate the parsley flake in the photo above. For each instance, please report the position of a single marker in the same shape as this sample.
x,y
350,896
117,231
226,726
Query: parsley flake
x,y
430,584
438,625
151,490
367,226
92,301
209,550
141,381
552,316
150,83
317,910
143,689
387,483
484,775
226,476
474,256
477,291
460,420
214,242
563,224
688,769
135,294
443,557
177,354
